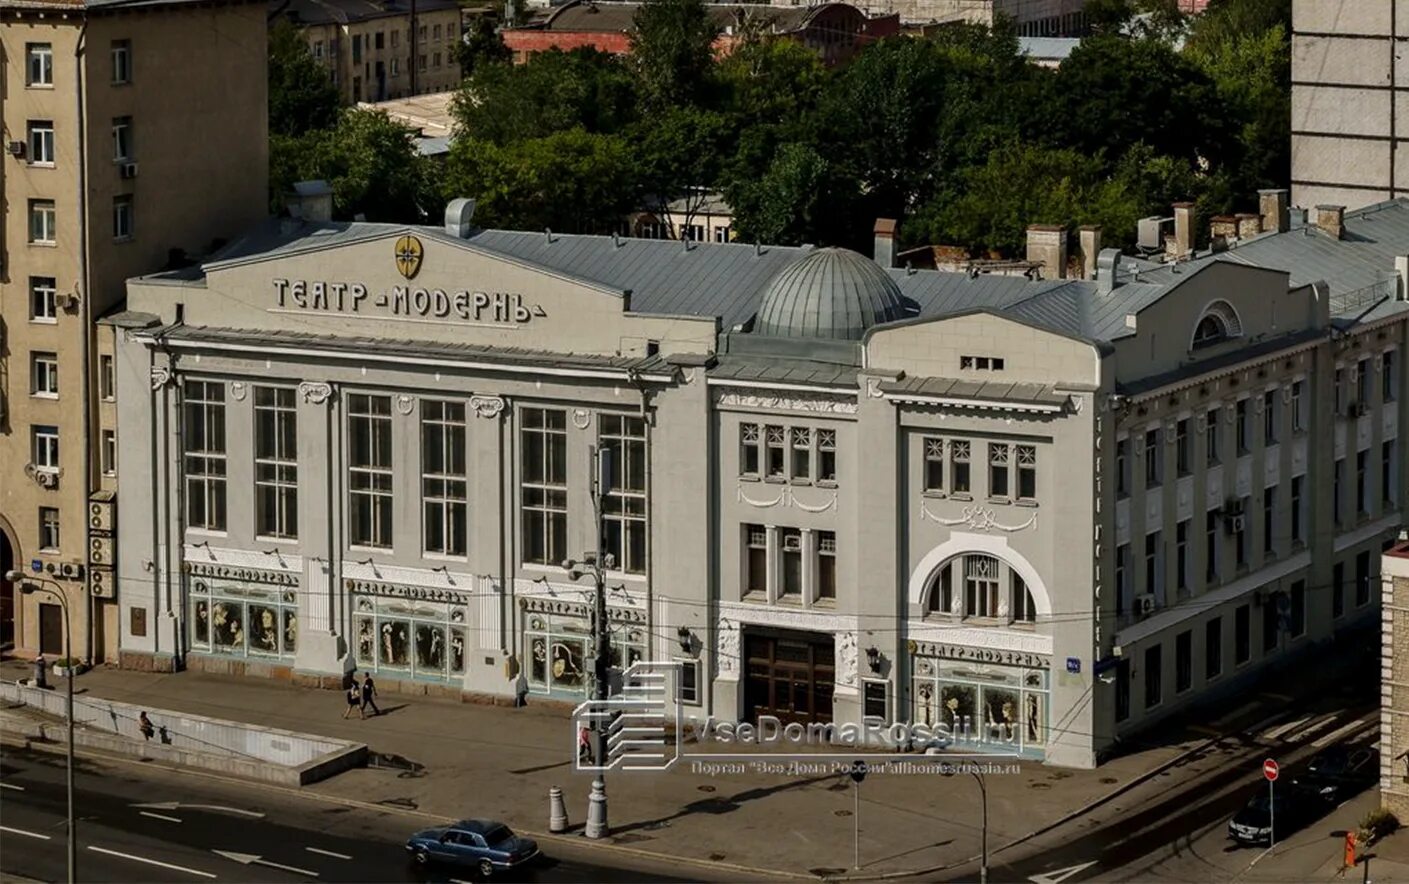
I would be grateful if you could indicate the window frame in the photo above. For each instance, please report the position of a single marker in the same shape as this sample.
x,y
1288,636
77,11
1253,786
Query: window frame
x,y
276,471
44,450
108,452
124,217
551,491
628,508
203,404
1154,457
50,530
1271,429
48,211
755,553
1298,406
1213,648
122,139
44,374
1212,438
439,482
371,484
43,55
50,299
107,377
120,53
40,141
826,589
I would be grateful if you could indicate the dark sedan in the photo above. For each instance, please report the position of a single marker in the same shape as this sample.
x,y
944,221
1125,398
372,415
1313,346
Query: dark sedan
x,y
1341,771
484,845
1292,808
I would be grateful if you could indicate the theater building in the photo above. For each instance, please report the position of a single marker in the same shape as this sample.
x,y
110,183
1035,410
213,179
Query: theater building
x,y
1057,510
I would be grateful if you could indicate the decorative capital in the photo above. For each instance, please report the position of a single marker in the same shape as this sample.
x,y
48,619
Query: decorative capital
x,y
161,376
315,393
405,404
487,406
238,390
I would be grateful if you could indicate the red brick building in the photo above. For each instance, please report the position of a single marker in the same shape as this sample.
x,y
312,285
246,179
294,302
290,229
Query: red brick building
x,y
835,31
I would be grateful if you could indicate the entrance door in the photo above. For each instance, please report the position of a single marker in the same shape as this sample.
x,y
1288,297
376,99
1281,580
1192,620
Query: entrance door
x,y
51,629
790,677
7,594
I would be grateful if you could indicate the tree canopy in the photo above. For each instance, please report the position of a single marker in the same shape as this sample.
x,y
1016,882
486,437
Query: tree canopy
x,y
301,94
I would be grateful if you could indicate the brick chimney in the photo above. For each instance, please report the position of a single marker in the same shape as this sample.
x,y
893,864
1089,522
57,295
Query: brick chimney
x,y
1249,225
1088,241
1273,206
1225,226
1331,220
310,201
1185,217
885,242
1047,246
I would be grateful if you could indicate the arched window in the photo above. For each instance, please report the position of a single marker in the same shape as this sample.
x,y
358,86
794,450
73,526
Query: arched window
x,y
1218,323
972,586
1210,330
1021,608
941,595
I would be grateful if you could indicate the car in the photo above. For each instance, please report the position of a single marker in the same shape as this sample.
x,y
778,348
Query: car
x,y
1293,807
1341,771
484,845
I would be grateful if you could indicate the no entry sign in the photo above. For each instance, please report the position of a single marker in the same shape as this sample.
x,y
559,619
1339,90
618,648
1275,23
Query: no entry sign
x,y
1270,769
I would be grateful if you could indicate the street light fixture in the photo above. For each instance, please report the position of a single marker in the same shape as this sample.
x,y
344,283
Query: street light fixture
x,y
27,588
948,769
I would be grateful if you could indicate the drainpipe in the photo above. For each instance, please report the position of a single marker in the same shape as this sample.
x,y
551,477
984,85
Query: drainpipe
x,y
90,339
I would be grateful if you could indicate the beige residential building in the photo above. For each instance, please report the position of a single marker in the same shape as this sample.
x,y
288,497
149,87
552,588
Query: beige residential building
x,y
118,159
1394,683
1032,18
1348,102
375,51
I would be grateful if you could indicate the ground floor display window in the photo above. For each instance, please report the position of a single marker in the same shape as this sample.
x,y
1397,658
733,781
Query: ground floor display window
x,y
242,619
408,637
1001,706
560,649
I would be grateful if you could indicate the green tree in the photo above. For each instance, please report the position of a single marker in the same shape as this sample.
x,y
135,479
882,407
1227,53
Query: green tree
x,y
371,162
573,181
481,46
801,198
552,92
680,152
302,97
672,51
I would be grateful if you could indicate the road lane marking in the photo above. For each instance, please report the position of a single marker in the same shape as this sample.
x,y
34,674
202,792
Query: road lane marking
x,y
1280,730
1059,875
1340,733
150,862
327,853
160,816
24,833
247,858
214,808
9,786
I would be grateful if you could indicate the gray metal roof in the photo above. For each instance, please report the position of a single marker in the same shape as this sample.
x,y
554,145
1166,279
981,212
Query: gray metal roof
x,y
951,388
784,371
831,293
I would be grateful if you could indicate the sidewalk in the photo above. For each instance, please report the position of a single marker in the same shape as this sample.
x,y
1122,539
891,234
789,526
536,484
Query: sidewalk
x,y
454,760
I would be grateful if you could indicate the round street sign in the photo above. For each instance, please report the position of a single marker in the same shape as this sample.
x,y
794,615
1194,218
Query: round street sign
x,y
1270,769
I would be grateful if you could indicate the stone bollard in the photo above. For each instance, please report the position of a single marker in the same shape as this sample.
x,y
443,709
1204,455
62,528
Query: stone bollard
x,y
557,811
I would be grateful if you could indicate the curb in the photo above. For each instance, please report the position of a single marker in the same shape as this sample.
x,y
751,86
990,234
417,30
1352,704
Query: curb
x,y
548,837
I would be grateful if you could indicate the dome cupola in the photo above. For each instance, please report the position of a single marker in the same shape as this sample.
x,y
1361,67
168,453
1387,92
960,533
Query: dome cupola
x,y
828,293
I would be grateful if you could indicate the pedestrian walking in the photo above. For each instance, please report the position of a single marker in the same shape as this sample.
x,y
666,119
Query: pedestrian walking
x,y
584,745
354,699
144,724
369,696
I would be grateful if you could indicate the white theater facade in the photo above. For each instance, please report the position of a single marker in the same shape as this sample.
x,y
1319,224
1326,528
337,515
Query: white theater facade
x,y
840,490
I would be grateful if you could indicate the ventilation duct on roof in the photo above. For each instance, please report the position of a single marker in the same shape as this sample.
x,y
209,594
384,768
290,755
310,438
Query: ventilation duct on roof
x,y
459,215
1106,264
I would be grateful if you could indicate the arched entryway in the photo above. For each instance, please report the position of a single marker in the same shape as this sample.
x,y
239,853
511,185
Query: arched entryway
x,y
8,605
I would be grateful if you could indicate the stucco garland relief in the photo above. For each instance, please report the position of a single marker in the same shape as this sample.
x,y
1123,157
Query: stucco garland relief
x,y
161,376
775,402
787,497
487,406
315,392
977,517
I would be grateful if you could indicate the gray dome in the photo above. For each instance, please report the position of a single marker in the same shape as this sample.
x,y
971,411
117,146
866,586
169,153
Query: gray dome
x,y
830,293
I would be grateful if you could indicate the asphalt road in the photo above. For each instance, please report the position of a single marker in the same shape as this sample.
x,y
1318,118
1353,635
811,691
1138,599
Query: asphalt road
x,y
152,825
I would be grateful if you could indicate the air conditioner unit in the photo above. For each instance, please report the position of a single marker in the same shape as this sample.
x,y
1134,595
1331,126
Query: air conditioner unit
x,y
1236,524
101,511
17,149
46,478
71,571
66,300
1145,604
1357,409
127,170
100,550
101,584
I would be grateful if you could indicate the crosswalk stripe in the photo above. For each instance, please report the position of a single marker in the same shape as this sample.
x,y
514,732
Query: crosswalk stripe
x,y
1358,725
1276,733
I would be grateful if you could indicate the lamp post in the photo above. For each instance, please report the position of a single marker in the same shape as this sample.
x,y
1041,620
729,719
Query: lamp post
x,y
597,563
949,770
27,588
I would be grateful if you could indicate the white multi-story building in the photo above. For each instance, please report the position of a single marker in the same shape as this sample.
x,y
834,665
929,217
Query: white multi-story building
x,y
1058,510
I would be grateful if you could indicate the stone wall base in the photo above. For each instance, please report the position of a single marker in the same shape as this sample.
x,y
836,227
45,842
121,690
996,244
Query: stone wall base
x,y
141,661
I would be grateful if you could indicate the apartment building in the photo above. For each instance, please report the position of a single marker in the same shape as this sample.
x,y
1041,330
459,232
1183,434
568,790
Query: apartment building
x,y
1348,104
1394,685
377,50
1032,18
1044,513
125,149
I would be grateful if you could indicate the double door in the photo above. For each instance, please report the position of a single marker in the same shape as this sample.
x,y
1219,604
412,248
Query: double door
x,y
790,677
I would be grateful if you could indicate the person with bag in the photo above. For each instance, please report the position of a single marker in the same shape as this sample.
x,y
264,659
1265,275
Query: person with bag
x,y
354,699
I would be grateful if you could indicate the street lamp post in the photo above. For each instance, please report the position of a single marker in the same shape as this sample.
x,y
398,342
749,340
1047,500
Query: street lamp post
x,y
949,770
28,588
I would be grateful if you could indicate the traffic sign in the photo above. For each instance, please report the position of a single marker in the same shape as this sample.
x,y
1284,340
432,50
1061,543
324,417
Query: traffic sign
x,y
1270,769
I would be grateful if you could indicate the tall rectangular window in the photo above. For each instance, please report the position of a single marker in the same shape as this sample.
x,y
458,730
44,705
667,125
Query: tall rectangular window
x,y
623,446
1362,579
107,379
1298,505
1122,467
755,559
998,455
980,586
1154,576
275,462
790,580
41,143
1338,490
1269,521
801,441
1154,460
750,449
1362,503
1181,447
959,466
444,485
1269,417
1154,677
934,464
43,222
369,478
1298,406
544,442
109,453
1240,534
49,528
826,564
43,299
1389,475
39,64
1211,519
1021,607
1338,388
204,431
1123,589
1242,635
1298,610
1183,661
1362,382
122,216
1338,590
44,375
1181,551
1240,426
776,439
45,448
1027,472
1211,438
1213,648
122,139
826,455
1389,378
122,61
